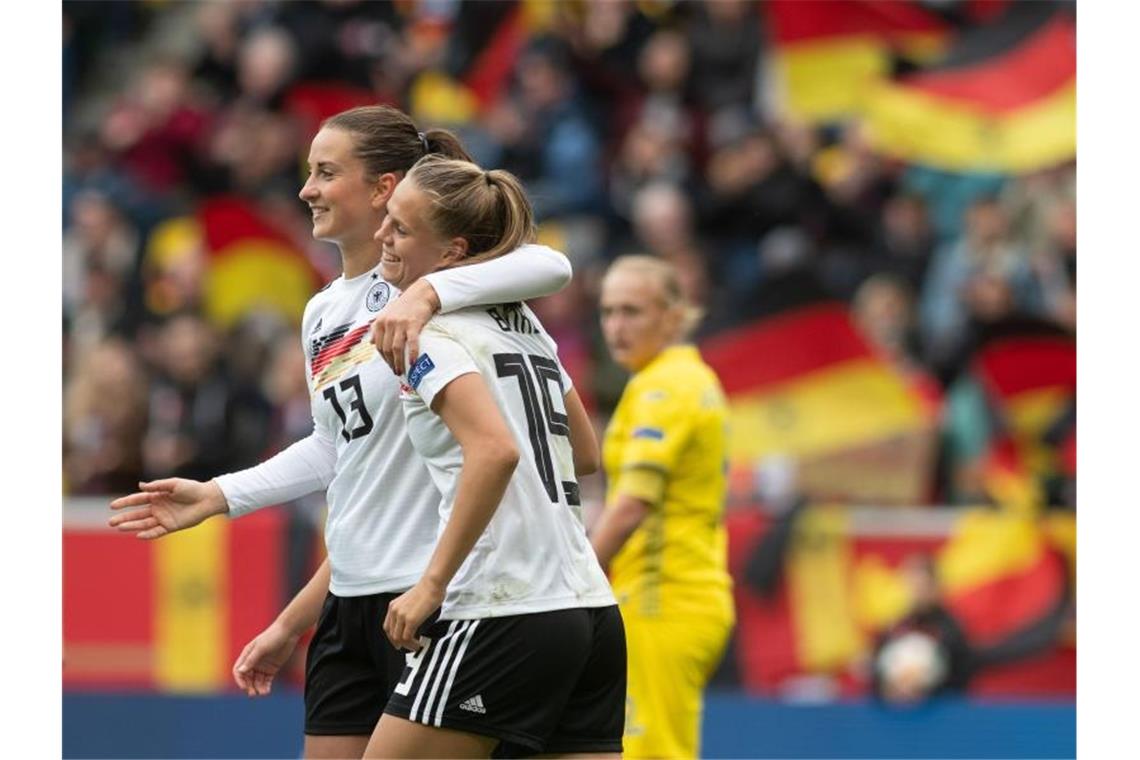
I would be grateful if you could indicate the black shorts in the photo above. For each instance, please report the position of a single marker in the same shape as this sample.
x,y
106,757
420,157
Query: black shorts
x,y
351,666
544,682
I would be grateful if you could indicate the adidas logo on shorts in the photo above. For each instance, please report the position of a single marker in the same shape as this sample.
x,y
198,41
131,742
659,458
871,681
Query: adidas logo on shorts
x,y
474,704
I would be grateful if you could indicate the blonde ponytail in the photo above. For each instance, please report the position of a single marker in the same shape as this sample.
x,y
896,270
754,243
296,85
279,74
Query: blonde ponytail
x,y
488,209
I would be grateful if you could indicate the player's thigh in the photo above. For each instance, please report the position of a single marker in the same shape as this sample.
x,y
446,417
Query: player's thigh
x,y
346,683
669,665
400,738
334,747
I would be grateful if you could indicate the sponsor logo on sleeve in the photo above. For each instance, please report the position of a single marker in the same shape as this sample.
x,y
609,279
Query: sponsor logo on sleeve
x,y
422,366
652,433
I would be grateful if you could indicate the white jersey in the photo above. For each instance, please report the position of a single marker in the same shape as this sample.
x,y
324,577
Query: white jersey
x,y
382,520
534,555
383,509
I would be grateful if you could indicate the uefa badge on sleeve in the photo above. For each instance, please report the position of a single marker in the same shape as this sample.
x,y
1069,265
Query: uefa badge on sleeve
x,y
377,296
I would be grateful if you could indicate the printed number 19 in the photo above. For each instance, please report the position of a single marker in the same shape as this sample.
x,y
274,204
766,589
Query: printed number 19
x,y
546,370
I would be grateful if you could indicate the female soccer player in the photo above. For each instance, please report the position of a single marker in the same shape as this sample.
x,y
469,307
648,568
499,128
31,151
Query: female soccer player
x,y
527,654
662,533
382,521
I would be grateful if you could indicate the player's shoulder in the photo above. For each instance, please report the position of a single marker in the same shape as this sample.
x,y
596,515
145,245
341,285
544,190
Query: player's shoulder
x,y
505,321
451,324
685,367
325,295
678,382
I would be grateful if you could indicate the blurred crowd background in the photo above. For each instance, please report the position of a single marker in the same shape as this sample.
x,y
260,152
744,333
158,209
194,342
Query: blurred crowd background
x,y
873,202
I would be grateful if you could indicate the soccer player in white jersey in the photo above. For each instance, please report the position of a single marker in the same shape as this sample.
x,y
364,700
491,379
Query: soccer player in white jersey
x,y
382,517
527,653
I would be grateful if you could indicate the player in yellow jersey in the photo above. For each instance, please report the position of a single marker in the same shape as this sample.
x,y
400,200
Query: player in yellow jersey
x,y
662,532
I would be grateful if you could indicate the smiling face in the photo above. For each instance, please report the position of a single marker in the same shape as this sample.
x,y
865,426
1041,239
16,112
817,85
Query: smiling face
x,y
347,205
409,246
637,321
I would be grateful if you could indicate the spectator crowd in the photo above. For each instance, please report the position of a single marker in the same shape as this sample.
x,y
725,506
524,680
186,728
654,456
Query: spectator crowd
x,y
637,127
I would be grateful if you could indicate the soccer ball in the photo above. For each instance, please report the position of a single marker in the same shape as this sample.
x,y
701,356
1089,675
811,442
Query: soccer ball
x,y
911,666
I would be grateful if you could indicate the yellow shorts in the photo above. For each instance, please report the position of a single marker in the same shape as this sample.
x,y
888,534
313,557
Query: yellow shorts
x,y
670,661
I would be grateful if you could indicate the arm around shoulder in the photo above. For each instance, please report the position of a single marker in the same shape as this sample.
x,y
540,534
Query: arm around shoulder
x,y
532,271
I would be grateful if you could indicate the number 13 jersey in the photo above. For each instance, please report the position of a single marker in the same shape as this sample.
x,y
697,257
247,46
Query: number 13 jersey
x,y
534,555
382,518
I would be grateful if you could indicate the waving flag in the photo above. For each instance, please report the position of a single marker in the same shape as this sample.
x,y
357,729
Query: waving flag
x,y
827,53
1028,370
252,264
1003,98
804,384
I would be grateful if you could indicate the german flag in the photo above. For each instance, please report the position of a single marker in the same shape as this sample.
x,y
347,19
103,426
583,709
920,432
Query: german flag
x,y
1001,576
252,264
1003,98
828,53
484,44
1028,371
805,384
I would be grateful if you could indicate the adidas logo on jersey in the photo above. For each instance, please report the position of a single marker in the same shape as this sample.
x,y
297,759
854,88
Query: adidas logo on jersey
x,y
474,704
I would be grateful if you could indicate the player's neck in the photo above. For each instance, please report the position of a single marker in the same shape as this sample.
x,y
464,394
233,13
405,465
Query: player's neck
x,y
360,258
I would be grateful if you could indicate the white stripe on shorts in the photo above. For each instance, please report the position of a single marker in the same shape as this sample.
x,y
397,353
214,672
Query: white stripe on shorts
x,y
463,626
454,670
430,668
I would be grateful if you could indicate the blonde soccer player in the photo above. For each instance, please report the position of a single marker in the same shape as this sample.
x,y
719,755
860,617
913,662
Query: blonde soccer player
x,y
527,653
662,532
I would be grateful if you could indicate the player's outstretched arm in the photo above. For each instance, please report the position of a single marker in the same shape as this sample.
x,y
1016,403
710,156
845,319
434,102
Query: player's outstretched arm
x,y
165,506
262,658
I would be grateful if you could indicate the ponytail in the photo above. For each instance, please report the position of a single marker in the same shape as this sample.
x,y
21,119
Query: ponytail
x,y
387,140
488,209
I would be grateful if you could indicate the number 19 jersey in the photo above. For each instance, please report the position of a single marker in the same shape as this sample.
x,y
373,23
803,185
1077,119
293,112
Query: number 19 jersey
x,y
534,555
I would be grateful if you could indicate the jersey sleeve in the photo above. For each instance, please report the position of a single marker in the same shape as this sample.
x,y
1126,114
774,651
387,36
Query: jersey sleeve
x,y
659,426
567,381
303,468
531,271
442,359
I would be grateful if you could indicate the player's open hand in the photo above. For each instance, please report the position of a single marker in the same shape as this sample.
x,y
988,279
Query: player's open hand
x,y
397,327
407,612
164,506
262,658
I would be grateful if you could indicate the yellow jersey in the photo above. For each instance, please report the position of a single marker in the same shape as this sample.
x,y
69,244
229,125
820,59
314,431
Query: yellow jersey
x,y
666,445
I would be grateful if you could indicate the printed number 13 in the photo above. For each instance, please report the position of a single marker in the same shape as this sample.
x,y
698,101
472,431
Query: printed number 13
x,y
356,402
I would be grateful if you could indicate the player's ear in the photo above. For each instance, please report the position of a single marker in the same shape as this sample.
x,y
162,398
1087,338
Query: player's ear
x,y
383,188
456,251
